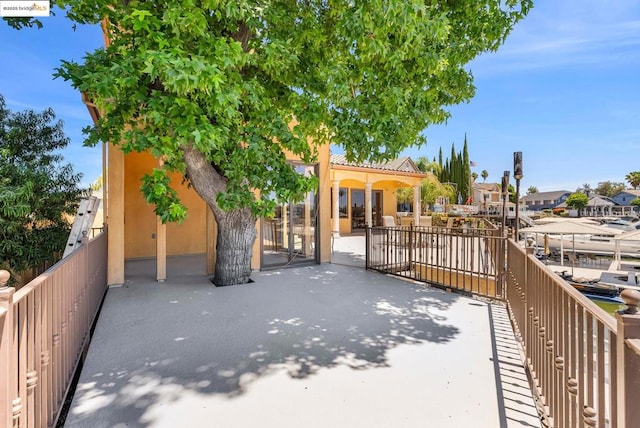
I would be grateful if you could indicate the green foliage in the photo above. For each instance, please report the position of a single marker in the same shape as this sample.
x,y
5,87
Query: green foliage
x,y
512,193
228,77
531,190
37,192
635,202
425,165
429,191
484,174
456,169
633,178
577,200
609,188
404,195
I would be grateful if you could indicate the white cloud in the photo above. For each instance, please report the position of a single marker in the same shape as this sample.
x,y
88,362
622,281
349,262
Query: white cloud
x,y
593,33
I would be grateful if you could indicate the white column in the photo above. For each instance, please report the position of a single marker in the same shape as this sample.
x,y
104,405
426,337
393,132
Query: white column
x,y
335,195
367,204
416,205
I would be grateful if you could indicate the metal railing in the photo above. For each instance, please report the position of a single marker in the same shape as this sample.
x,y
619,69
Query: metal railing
x,y
463,259
44,330
583,363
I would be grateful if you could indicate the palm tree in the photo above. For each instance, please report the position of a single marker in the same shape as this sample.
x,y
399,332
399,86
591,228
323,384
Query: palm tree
x,y
634,179
586,189
531,190
484,174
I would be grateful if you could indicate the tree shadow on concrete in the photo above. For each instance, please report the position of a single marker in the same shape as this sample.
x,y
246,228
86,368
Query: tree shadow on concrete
x,y
155,341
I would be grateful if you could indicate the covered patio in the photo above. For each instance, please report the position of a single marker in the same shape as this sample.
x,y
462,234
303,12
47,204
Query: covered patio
x,y
362,193
324,345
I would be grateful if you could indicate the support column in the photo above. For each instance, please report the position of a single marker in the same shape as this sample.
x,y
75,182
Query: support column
x,y
161,244
416,206
212,237
115,216
367,204
161,250
335,212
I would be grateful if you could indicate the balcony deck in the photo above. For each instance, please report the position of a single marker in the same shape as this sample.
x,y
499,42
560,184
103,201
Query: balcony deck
x,y
328,345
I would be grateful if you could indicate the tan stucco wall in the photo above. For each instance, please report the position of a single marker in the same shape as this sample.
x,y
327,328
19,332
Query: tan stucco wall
x,y
386,181
187,237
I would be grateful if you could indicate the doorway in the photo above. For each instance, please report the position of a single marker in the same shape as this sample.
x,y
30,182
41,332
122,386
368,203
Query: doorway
x,y
291,236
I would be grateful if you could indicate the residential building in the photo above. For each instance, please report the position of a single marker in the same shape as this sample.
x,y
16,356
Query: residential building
x,y
485,194
364,192
625,197
544,200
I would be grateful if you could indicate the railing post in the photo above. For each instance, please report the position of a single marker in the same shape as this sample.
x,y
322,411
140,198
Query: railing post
x,y
628,360
87,289
367,246
8,369
411,240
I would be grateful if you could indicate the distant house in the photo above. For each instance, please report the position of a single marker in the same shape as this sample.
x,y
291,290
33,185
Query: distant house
x,y
625,197
486,193
544,200
602,206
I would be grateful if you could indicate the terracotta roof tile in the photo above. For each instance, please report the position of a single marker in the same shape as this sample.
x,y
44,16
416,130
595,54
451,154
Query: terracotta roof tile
x,y
403,164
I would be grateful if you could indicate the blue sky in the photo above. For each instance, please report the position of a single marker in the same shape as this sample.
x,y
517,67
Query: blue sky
x,y
564,90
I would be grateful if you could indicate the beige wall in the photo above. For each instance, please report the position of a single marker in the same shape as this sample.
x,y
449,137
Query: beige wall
x,y
187,237
386,181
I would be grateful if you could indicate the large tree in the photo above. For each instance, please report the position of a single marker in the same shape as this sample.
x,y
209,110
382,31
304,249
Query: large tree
x,y
609,188
38,193
221,90
577,201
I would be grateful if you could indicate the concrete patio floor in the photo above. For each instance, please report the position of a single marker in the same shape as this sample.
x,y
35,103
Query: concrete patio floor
x,y
322,346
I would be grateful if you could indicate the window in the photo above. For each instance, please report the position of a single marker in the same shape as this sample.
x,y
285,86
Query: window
x,y
343,202
343,207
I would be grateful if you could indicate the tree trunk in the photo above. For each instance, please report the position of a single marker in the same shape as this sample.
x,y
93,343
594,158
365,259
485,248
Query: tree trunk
x,y
236,235
236,228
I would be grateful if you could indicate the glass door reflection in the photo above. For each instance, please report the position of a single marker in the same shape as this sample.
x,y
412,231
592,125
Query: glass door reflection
x,y
291,235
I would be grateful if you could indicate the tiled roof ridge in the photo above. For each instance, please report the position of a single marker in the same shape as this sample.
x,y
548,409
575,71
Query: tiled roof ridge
x,y
401,164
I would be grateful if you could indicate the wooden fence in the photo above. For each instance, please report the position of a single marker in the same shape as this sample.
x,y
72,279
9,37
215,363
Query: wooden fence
x,y
44,331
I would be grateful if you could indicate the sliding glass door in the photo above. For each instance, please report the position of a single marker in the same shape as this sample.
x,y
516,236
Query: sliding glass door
x,y
291,235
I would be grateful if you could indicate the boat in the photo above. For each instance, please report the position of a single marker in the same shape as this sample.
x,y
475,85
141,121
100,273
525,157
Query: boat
x,y
589,286
591,244
607,299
